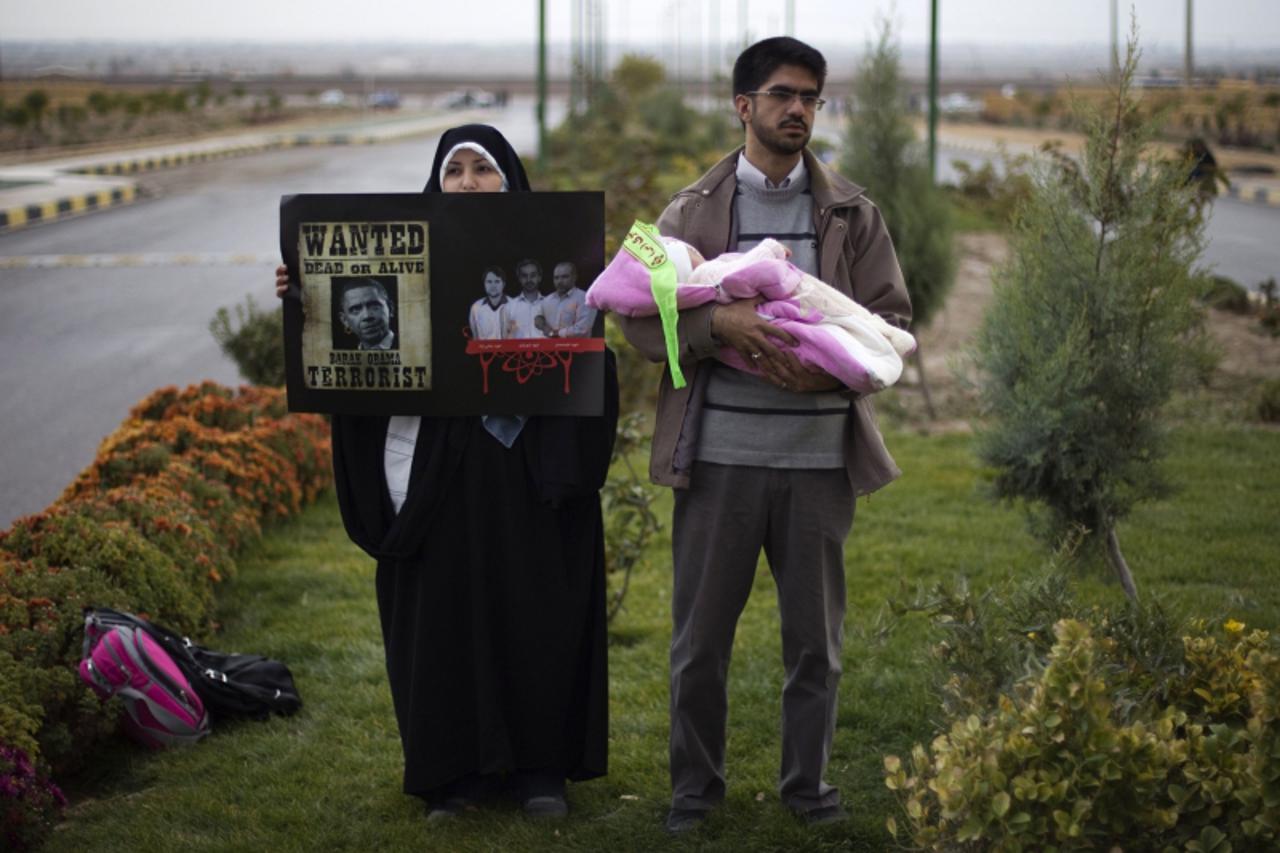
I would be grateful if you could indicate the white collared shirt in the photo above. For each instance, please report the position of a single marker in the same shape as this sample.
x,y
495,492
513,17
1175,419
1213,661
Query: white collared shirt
x,y
486,318
748,173
517,317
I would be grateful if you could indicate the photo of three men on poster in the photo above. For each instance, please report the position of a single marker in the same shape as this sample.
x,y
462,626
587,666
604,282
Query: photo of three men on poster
x,y
530,313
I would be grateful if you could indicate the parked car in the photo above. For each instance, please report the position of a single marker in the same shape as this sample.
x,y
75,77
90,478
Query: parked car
x,y
333,97
461,100
385,100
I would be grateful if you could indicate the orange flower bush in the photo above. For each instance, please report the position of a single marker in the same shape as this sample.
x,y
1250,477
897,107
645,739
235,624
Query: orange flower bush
x,y
189,478
63,538
168,519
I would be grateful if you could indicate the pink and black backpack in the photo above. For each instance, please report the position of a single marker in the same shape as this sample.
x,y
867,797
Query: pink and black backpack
x,y
161,707
172,688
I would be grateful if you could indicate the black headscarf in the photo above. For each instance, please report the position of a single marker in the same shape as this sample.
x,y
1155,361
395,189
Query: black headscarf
x,y
491,140
566,457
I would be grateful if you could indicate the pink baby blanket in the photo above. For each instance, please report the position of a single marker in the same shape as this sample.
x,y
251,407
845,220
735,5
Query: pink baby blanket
x,y
835,333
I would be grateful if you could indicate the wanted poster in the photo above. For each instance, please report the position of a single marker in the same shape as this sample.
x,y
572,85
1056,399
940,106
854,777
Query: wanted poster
x,y
443,304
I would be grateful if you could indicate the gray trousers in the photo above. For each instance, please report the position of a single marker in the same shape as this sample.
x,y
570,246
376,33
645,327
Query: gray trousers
x,y
800,517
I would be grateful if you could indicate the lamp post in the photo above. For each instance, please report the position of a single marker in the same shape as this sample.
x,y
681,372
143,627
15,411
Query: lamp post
x,y
933,91
1115,39
542,86
1188,62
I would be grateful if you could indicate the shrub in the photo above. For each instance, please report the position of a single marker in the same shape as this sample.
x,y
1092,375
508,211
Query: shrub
x,y
100,102
36,102
993,641
995,191
1054,766
149,527
254,341
29,802
45,710
1266,401
1270,315
63,538
1226,294
167,519
238,457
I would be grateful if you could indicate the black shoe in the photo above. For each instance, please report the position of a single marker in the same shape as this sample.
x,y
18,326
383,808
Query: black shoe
x,y
540,793
551,806
680,821
824,815
446,809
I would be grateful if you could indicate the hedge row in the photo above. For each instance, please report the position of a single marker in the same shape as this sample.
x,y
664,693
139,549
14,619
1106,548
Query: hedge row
x,y
150,527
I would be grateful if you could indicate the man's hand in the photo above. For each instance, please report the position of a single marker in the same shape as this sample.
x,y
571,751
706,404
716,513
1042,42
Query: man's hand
x,y
757,340
738,325
795,376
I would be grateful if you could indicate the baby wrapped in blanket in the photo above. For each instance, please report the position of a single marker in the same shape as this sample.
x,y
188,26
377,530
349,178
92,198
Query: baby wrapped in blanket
x,y
834,333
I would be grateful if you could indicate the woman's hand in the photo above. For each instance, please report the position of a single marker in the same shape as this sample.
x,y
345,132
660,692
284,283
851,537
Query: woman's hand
x,y
282,281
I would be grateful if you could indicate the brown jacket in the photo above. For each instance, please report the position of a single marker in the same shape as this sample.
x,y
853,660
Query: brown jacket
x,y
855,255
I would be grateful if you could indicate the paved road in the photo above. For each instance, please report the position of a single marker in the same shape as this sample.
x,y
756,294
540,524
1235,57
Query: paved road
x,y
80,346
1244,241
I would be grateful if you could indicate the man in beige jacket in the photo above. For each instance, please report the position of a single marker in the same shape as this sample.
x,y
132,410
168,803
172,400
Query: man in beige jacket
x,y
772,462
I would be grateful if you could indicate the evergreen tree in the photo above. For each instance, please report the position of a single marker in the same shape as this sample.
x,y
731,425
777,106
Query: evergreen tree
x,y
1094,323
882,154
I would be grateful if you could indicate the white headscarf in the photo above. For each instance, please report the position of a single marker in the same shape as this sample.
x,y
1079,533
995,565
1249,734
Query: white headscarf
x,y
479,149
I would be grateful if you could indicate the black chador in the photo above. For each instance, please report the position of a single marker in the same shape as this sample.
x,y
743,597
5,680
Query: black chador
x,y
490,579
491,592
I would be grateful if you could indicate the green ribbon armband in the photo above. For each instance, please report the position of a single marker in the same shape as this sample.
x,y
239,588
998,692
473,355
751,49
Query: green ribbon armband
x,y
645,245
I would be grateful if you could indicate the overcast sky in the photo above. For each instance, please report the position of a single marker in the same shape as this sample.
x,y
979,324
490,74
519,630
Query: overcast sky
x,y
825,23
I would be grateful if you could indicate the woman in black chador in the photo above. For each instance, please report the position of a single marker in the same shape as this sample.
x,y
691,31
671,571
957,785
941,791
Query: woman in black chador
x,y
490,579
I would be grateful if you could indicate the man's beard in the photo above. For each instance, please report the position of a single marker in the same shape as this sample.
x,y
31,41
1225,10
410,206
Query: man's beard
x,y
773,139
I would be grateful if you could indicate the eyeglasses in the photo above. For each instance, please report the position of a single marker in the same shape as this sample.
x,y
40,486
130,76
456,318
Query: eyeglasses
x,y
783,98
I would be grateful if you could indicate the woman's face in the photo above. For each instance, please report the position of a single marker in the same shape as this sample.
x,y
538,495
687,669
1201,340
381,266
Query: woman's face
x,y
493,284
469,172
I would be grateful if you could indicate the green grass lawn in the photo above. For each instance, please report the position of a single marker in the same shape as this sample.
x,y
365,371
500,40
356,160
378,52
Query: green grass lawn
x,y
329,778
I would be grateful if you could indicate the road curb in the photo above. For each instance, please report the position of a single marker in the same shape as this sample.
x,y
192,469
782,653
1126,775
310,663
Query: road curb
x,y
1256,193
135,165
65,207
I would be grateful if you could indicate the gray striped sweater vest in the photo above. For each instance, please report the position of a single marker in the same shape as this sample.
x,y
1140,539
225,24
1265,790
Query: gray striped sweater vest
x,y
746,420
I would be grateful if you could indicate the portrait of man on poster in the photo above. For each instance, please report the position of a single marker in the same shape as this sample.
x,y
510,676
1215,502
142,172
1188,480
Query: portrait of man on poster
x,y
564,312
486,314
365,313
519,312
